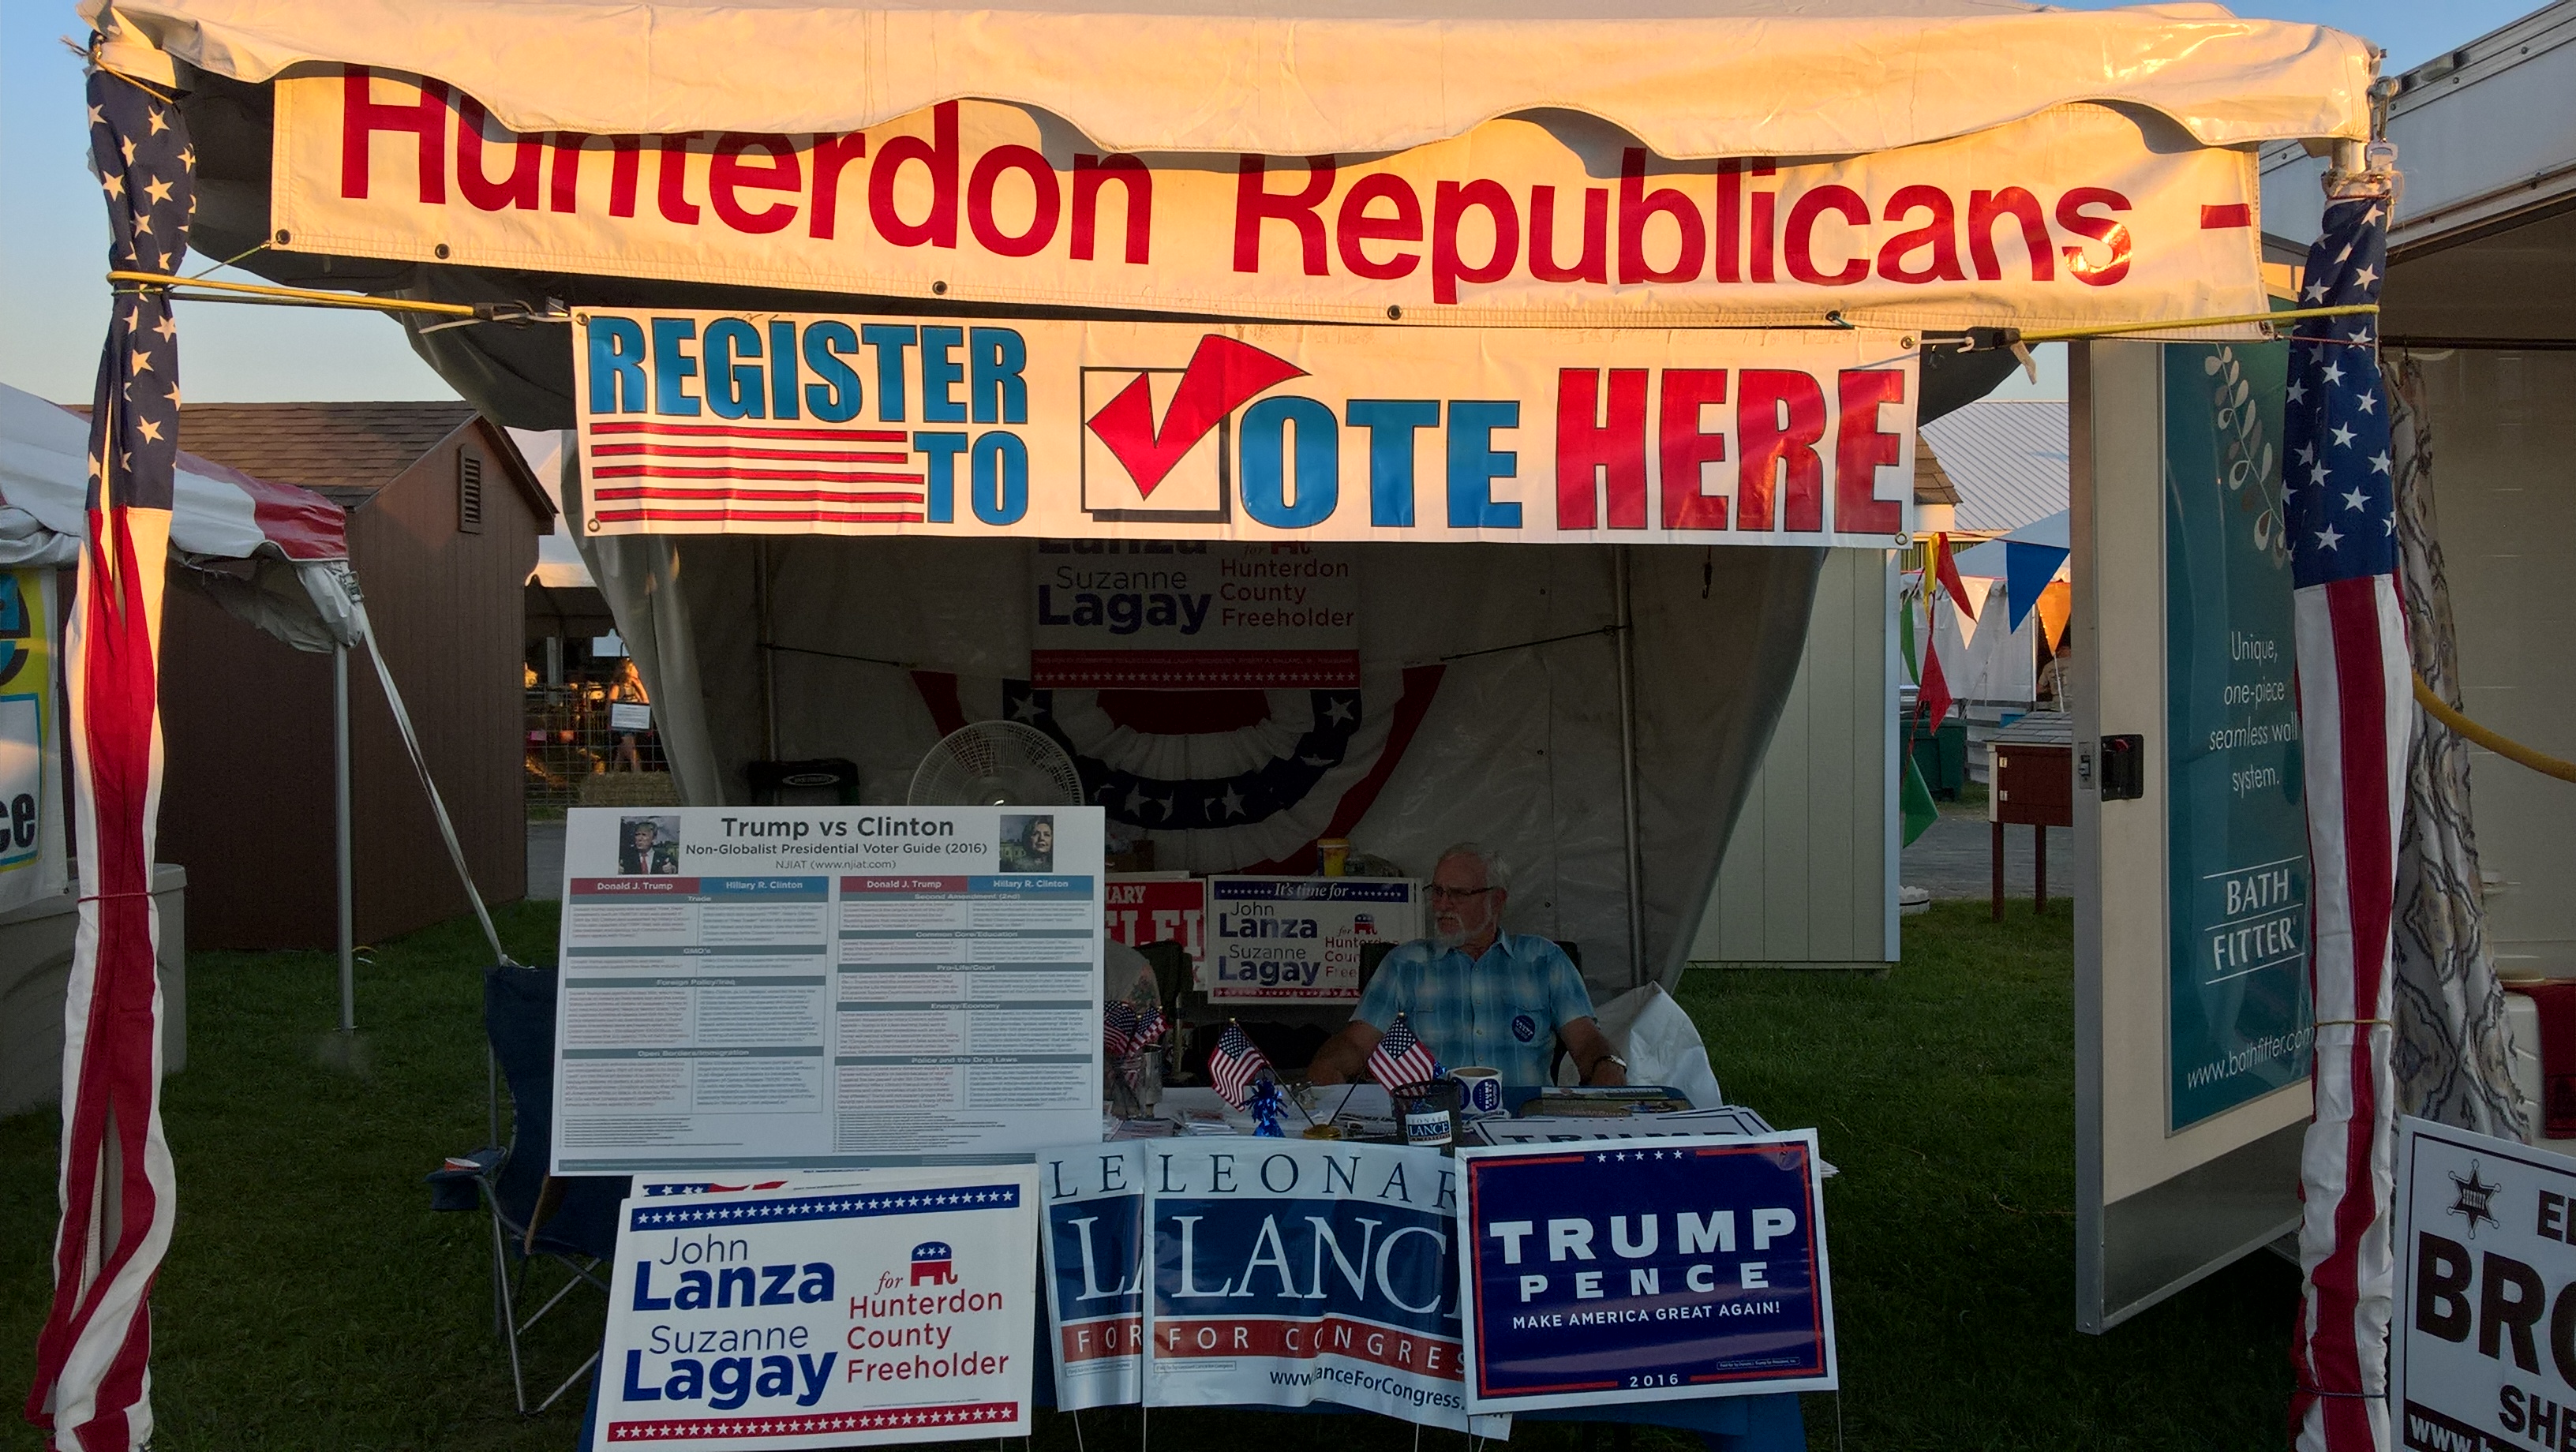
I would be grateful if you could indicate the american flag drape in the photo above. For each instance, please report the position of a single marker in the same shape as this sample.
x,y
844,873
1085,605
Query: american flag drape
x,y
2355,711
93,1373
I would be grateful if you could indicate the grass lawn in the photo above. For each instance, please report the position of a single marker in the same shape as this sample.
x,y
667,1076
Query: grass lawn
x,y
312,1300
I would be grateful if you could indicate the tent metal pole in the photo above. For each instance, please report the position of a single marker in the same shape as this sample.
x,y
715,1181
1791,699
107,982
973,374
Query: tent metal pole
x,y
768,657
345,847
1628,768
437,804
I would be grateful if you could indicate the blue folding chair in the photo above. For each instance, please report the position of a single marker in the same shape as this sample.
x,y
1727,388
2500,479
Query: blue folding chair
x,y
570,1220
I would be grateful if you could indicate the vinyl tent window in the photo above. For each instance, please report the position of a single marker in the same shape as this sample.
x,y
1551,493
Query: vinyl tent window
x,y
469,492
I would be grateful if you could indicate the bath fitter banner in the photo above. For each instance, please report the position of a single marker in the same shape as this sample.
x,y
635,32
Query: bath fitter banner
x,y
2070,215
2240,1024
698,422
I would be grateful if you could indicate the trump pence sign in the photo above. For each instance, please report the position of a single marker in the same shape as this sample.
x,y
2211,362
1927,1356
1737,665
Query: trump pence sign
x,y
1654,1270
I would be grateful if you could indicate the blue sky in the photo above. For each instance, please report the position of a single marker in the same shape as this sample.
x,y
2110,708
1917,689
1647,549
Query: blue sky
x,y
53,305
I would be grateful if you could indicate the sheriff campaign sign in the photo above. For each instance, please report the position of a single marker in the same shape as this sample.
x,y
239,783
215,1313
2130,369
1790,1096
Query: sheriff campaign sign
x,y
2483,1355
893,1307
1658,1270
788,423
1288,1272
2075,214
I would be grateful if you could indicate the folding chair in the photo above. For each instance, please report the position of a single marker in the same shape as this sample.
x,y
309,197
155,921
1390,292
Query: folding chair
x,y
568,1220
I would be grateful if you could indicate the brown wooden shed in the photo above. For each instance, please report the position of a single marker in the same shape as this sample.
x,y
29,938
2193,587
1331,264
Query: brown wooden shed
x,y
443,524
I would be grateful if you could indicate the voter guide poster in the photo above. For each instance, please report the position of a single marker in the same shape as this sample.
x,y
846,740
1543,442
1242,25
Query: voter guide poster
x,y
818,988
1298,939
1656,1271
893,1306
2483,1350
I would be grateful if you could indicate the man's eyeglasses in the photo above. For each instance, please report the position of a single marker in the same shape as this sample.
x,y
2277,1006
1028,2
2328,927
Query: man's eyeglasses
x,y
1456,894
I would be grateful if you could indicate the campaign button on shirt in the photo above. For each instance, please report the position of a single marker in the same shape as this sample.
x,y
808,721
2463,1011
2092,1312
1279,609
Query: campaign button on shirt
x,y
1524,1028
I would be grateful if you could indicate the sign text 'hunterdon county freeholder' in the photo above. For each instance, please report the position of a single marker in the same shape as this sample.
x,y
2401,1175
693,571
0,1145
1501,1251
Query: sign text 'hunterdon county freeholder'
x,y
698,422
888,1307
1655,1270
2077,214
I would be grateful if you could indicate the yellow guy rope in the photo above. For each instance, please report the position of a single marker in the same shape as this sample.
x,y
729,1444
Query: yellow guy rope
x,y
309,297
2440,710
2104,330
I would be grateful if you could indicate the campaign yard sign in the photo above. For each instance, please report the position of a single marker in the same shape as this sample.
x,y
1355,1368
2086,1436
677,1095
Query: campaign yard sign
x,y
894,1308
1299,939
1289,1272
1094,1248
2483,1357
1678,1268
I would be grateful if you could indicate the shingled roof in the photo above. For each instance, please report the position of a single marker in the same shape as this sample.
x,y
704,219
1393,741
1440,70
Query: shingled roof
x,y
344,452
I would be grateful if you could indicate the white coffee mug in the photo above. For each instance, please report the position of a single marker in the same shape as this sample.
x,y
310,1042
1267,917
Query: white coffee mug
x,y
1480,1090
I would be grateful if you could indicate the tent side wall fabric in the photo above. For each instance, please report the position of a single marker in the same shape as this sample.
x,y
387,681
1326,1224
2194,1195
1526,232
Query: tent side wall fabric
x,y
1520,749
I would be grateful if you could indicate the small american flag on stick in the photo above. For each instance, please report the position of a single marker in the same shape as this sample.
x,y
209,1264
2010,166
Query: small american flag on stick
x,y
1237,1065
1400,1058
1128,1029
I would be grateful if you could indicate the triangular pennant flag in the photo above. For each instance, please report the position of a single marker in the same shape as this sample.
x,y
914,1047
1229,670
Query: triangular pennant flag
x,y
1905,602
1915,803
2027,570
1946,570
1933,701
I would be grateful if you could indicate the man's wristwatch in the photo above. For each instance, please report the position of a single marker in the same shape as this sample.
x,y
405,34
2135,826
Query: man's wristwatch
x,y
1609,1059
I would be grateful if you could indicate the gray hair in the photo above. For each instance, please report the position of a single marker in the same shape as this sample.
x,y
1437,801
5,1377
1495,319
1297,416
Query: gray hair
x,y
1496,874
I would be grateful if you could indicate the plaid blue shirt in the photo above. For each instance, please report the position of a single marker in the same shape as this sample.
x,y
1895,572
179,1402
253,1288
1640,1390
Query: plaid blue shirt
x,y
1501,1011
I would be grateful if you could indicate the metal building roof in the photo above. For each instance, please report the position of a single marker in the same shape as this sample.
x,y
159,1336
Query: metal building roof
x,y
2007,458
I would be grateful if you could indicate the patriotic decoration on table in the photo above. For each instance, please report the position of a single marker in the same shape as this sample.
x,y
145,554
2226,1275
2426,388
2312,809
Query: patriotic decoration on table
x,y
2357,711
1219,780
1127,1029
1401,1059
1237,1065
93,1374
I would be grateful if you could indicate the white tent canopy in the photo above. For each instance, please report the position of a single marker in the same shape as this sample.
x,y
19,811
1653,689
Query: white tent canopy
x,y
1691,80
297,587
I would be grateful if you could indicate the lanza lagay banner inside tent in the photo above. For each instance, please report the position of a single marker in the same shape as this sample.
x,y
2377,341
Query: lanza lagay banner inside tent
x,y
1503,369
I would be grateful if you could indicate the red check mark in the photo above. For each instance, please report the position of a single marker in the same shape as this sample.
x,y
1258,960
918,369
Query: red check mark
x,y
1223,374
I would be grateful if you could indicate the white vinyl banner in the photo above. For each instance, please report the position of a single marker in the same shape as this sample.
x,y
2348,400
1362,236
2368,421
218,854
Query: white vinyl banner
x,y
893,1308
783,423
2077,214
2483,1353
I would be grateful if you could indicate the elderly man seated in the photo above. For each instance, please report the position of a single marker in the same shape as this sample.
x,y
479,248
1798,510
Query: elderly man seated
x,y
1476,994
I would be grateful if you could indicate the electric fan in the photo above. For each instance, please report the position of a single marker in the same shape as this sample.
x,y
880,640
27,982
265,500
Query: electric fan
x,y
996,764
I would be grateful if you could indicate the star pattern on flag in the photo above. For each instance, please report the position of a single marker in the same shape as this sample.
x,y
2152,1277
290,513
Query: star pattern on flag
x,y
138,149
2340,501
